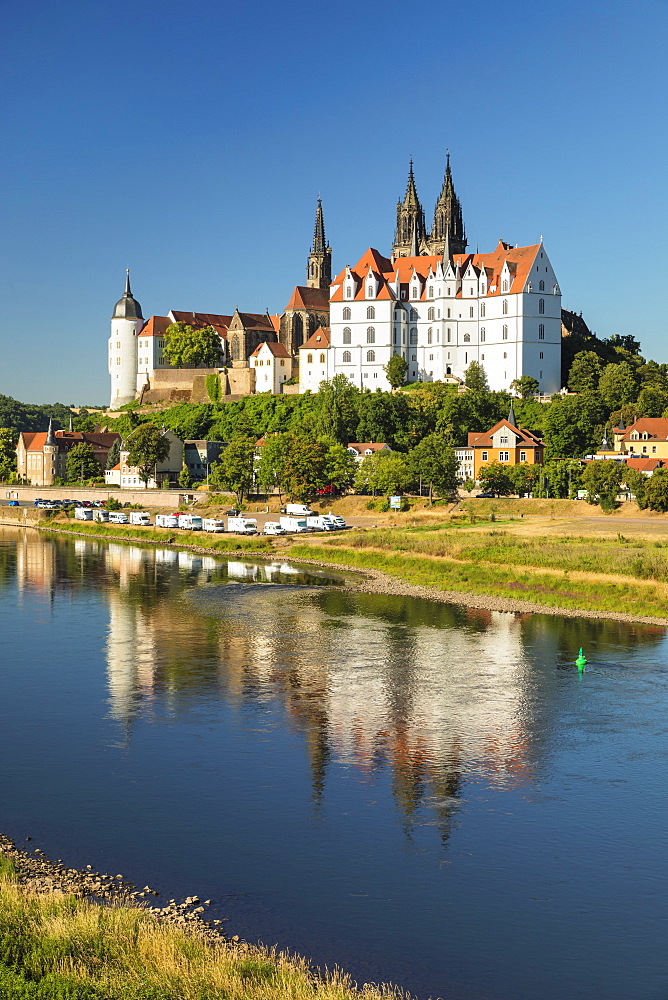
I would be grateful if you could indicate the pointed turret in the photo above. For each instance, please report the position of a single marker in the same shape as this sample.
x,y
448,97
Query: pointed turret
x,y
411,230
126,322
319,266
511,415
127,307
50,439
448,219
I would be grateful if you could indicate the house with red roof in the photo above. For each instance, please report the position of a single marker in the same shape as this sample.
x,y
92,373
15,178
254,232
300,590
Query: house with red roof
x,y
272,366
41,456
314,360
505,443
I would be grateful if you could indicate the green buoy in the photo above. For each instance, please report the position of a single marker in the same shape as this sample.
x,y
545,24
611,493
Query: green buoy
x,y
581,661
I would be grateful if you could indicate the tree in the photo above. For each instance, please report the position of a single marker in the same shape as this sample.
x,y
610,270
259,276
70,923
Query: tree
x,y
636,482
585,372
617,385
305,468
213,389
114,454
147,446
340,467
384,417
81,463
524,477
384,472
495,478
433,460
602,479
569,425
475,378
271,470
234,469
396,371
185,479
336,409
561,478
652,401
187,347
526,386
656,490
7,454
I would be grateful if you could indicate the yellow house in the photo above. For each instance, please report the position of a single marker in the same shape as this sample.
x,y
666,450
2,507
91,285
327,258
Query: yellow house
x,y
506,443
647,437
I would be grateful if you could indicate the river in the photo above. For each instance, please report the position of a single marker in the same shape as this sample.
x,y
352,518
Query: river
x,y
415,791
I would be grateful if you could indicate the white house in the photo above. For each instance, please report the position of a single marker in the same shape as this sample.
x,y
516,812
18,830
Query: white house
x,y
273,367
314,361
440,313
165,473
362,450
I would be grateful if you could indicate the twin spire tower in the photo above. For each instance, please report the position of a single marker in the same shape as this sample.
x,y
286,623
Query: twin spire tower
x,y
412,239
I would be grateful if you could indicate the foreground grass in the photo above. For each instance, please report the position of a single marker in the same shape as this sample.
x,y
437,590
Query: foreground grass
x,y
58,947
200,539
577,573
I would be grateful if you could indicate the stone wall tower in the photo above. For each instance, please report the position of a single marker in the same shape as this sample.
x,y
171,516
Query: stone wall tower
x,y
319,267
126,323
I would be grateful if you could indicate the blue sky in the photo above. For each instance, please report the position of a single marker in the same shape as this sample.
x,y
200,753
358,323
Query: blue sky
x,y
190,142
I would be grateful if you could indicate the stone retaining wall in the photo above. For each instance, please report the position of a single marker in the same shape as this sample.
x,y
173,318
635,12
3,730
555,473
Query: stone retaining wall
x,y
152,498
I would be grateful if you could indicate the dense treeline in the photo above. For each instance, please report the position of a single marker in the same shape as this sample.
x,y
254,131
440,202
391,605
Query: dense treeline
x,y
32,416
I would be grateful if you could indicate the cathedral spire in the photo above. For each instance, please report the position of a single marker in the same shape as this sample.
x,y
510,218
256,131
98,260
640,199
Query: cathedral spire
x,y
319,266
411,230
448,217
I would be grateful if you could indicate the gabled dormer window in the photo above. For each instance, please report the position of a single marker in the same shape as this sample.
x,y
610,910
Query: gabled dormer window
x,y
415,292
541,286
349,292
431,291
430,313
370,291
504,286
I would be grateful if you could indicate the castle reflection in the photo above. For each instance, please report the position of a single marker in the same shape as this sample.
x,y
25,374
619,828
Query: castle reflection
x,y
434,695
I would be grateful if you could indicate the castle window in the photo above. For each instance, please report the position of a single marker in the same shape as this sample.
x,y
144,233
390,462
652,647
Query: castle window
x,y
449,314
482,334
118,361
349,292
505,332
118,345
346,312
431,357
346,335
504,286
482,308
322,359
415,292
449,335
505,307
505,356
369,291
541,331
309,359
371,355
541,286
370,335
282,364
470,312
429,335
482,357
431,291
346,357
541,306
430,313
413,339
541,355
467,338
371,313
448,292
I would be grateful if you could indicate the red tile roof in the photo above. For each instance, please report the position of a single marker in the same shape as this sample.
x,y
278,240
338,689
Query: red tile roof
x,y
525,438
155,326
278,350
309,298
368,446
643,464
35,440
520,262
318,340
655,427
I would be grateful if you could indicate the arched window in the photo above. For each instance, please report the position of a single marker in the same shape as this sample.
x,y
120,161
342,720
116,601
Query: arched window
x,y
541,331
541,286
505,285
482,308
482,334
415,292
346,335
505,307
322,359
431,291
371,355
349,292
413,335
505,332
541,306
346,357
467,338
370,312
429,335
370,335
309,359
430,313
346,312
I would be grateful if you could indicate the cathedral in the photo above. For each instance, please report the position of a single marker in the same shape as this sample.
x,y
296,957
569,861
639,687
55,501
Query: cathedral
x,y
411,238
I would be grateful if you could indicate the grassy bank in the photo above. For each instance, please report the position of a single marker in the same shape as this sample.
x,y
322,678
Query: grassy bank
x,y
197,539
591,574
59,947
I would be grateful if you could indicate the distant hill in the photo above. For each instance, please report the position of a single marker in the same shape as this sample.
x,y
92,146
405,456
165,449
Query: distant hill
x,y
32,416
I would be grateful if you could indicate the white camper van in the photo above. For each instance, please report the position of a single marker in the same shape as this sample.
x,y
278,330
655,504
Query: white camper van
x,y
166,521
117,517
139,517
213,524
298,509
98,515
273,528
242,525
296,524
190,522
83,514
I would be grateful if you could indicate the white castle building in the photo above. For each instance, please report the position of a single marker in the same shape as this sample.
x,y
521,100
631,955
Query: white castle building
x,y
441,308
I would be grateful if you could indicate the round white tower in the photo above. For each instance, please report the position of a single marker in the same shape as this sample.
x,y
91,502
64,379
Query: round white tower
x,y
126,324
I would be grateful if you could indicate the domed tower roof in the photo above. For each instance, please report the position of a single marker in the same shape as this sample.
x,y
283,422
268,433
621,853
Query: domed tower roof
x,y
127,307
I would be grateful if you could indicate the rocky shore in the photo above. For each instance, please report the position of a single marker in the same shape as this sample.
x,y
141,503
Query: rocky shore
x,y
37,873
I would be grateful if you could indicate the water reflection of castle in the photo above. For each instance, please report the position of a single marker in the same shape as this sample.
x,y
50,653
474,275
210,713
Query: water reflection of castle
x,y
430,693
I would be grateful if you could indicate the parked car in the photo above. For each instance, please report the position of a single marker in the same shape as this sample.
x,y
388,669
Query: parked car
x,y
486,496
13,503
